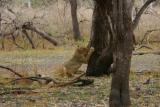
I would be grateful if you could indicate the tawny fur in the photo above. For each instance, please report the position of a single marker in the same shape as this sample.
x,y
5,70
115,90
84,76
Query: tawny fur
x,y
69,68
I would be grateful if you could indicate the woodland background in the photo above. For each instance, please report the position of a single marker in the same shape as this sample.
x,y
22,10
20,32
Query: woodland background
x,y
34,54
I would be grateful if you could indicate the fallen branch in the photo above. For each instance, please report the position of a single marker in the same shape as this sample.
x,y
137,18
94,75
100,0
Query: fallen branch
x,y
56,83
147,33
11,70
46,79
43,34
142,53
143,46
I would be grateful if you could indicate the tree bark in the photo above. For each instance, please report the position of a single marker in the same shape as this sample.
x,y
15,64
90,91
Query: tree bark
x,y
75,24
99,35
119,96
112,19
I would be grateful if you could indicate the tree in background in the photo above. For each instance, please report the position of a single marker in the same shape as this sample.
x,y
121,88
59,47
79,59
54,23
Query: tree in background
x,y
75,24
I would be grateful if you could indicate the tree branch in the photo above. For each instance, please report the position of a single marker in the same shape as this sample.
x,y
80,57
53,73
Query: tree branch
x,y
14,42
11,70
147,33
29,39
57,83
139,14
44,35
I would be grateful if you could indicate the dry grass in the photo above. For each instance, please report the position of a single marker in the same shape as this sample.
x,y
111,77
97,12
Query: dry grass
x,y
96,95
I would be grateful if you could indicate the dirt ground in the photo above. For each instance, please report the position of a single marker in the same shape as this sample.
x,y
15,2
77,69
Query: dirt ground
x,y
143,94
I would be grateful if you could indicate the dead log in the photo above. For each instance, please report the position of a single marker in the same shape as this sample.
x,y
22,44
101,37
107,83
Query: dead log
x,y
143,53
43,34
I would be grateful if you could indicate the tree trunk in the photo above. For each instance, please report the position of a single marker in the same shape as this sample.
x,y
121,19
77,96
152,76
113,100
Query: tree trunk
x,y
112,20
119,96
75,24
99,35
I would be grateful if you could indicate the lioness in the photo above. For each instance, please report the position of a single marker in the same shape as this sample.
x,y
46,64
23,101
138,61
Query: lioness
x,y
81,56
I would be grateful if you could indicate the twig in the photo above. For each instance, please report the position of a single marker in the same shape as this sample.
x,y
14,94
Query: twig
x,y
11,70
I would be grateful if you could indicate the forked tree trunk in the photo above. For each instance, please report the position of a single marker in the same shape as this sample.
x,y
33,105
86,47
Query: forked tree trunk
x,y
75,24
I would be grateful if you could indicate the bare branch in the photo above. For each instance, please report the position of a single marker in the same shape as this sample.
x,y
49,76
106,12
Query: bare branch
x,y
29,39
139,14
14,42
56,83
43,34
11,70
147,33
143,46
